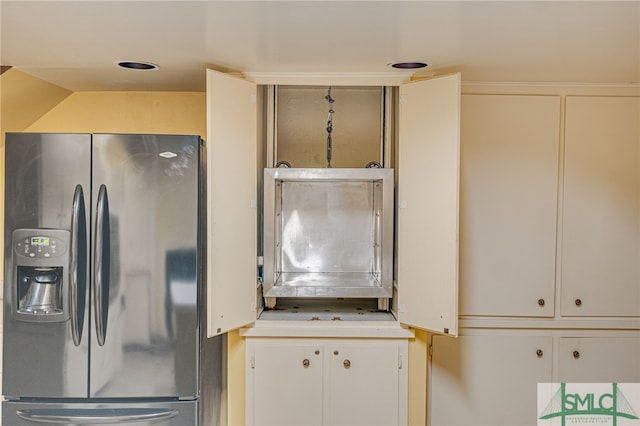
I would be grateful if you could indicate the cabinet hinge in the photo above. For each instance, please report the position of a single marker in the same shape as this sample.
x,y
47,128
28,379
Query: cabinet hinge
x,y
430,350
253,362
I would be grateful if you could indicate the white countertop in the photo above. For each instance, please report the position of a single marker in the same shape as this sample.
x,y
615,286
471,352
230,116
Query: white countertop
x,y
338,329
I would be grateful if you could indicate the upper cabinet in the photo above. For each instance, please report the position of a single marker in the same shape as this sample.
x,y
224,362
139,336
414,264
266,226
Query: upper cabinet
x,y
425,238
508,204
601,230
231,202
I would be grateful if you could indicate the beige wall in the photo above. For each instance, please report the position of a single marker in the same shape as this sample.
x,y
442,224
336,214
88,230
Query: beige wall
x,y
24,99
127,112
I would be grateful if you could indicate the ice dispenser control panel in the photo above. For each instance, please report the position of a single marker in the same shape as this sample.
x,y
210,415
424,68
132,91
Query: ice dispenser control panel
x,y
40,247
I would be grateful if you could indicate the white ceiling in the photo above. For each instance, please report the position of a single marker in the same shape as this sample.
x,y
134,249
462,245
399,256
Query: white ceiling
x,y
75,43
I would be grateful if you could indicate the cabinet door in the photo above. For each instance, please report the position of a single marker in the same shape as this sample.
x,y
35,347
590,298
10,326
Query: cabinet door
x,y
508,204
599,359
601,230
428,181
362,385
231,202
286,383
488,379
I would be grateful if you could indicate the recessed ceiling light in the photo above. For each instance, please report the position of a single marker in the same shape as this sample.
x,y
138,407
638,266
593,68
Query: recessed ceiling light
x,y
409,65
137,65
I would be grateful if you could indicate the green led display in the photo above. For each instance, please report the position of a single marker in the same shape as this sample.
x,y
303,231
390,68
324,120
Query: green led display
x,y
40,241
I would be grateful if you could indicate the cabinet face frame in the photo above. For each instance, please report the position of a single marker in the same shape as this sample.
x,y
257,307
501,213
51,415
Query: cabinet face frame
x,y
426,214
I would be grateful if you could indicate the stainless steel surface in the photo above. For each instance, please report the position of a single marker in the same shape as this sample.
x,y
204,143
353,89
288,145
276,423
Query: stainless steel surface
x,y
101,264
147,302
170,413
42,171
149,250
328,233
96,416
78,255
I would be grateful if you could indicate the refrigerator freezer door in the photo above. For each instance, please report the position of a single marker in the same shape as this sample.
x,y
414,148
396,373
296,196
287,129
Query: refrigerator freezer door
x,y
145,280
46,348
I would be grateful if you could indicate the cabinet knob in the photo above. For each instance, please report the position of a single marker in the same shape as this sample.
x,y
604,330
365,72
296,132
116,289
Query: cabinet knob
x,y
541,302
539,353
305,363
578,302
576,354
347,363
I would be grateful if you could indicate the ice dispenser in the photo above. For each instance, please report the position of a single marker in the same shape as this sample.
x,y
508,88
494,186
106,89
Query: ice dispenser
x,y
40,262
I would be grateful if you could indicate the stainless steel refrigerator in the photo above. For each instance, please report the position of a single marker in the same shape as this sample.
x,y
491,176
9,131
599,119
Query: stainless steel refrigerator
x,y
104,312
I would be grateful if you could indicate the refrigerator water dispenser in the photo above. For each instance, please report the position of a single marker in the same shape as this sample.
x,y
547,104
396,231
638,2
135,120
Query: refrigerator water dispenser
x,y
40,262
39,290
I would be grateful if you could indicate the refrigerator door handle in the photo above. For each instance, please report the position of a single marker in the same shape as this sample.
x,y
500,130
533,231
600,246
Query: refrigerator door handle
x,y
101,265
78,262
96,416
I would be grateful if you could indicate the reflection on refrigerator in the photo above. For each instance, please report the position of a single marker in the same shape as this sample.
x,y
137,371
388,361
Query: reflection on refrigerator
x,y
103,292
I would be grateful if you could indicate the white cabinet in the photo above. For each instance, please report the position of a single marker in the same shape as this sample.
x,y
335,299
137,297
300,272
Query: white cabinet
x,y
549,254
303,381
284,382
599,359
600,226
508,204
488,379
427,214
510,225
231,202
349,381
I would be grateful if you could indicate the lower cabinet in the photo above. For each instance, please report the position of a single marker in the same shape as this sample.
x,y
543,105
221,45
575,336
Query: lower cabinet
x,y
488,380
326,381
490,377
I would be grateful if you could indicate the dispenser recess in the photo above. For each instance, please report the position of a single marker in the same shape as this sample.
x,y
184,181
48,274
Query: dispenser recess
x,y
40,262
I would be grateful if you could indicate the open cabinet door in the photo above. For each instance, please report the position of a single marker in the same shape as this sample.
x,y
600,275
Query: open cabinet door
x,y
231,198
428,188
